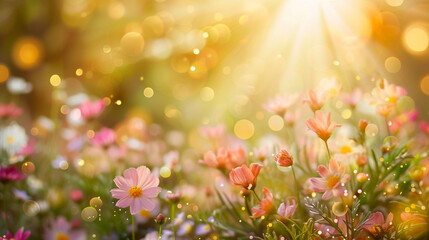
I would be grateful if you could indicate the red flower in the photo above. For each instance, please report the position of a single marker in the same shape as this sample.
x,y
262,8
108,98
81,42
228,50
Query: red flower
x,y
265,206
10,174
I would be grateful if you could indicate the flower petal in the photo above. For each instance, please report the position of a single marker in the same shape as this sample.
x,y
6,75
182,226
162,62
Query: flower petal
x,y
151,192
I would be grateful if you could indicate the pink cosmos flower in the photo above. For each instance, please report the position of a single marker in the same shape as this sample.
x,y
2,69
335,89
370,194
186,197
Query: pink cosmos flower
x,y
9,111
19,235
11,174
244,176
376,224
137,189
265,206
91,109
387,93
322,125
353,98
280,103
103,138
288,209
283,158
61,229
315,99
424,126
213,132
27,150
332,180
226,159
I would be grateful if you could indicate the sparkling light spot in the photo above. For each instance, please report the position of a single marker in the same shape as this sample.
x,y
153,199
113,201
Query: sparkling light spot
x,y
148,92
244,129
416,38
55,80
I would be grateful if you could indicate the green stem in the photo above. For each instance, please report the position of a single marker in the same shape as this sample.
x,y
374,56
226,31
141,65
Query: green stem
x,y
160,231
256,195
296,187
173,207
132,223
327,149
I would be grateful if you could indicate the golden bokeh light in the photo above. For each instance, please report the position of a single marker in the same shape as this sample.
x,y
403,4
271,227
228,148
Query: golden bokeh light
x,y
55,80
276,123
132,44
244,129
416,38
395,3
392,64
4,73
424,85
207,94
27,53
148,92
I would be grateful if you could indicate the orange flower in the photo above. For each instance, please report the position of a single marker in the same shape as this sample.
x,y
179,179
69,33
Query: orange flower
x,y
265,206
283,158
322,125
315,100
244,176
225,158
416,224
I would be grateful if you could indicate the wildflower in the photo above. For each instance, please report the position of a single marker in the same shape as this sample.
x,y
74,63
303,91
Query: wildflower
x,y
171,159
332,180
17,85
361,160
288,209
9,111
202,229
185,228
136,189
322,125
415,224
362,125
353,98
376,223
283,158
90,110
315,100
76,195
19,235
225,159
361,177
160,219
10,174
27,150
213,132
244,176
60,229
12,139
280,103
265,206
103,138
173,197
387,93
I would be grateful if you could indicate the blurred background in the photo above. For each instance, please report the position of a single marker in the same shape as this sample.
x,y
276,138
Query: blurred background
x,y
184,63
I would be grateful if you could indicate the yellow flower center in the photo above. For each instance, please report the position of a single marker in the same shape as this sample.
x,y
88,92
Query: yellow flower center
x,y
332,181
62,236
376,229
135,192
390,99
144,213
10,139
345,149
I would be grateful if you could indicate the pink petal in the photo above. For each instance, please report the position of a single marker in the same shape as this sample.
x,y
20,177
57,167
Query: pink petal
x,y
327,195
119,193
122,183
323,171
152,181
147,204
132,176
143,174
151,192
124,202
319,184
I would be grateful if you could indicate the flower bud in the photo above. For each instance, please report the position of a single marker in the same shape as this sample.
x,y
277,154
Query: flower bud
x,y
361,177
361,160
362,125
283,159
160,219
417,173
